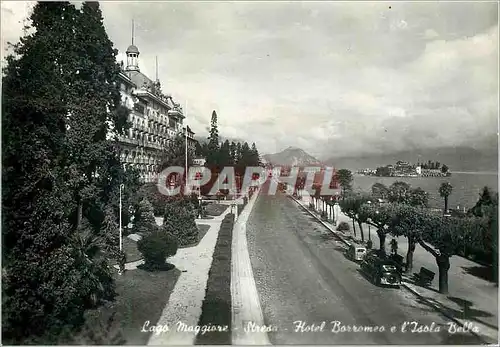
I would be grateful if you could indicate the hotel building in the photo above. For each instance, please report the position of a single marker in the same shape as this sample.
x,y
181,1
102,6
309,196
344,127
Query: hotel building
x,y
156,119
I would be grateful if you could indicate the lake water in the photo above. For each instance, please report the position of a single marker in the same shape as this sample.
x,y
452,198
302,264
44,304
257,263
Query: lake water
x,y
466,186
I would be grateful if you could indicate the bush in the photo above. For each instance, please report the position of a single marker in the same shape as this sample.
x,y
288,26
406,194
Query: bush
x,y
179,221
144,221
216,308
343,226
45,294
156,248
150,192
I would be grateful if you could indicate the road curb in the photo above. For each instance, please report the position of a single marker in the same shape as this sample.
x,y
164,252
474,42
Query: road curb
x,y
333,231
404,285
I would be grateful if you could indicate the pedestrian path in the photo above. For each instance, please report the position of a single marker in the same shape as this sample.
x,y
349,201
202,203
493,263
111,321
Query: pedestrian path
x,y
185,302
470,298
245,302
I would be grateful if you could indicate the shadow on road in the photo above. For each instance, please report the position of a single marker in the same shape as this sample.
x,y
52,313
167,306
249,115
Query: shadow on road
x,y
413,280
483,272
467,313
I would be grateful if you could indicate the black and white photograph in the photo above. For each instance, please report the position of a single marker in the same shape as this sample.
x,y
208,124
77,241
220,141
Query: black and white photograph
x,y
250,172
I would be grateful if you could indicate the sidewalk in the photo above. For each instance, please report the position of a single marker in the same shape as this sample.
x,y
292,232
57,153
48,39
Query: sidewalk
x,y
186,300
471,298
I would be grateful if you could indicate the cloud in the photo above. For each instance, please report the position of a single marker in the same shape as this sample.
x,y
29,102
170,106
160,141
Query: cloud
x,y
331,78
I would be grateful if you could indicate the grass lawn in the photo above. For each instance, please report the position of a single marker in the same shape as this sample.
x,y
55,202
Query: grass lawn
x,y
130,248
216,308
142,296
215,209
202,230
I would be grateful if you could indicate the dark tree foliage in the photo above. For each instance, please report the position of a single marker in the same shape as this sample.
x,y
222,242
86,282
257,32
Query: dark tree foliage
x,y
179,221
213,148
60,99
175,153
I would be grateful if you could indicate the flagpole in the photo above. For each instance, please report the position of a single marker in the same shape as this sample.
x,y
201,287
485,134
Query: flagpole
x,y
186,149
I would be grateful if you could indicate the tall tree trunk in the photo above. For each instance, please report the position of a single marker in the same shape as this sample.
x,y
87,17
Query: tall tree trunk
x,y
445,204
409,254
443,262
79,212
353,228
361,232
381,237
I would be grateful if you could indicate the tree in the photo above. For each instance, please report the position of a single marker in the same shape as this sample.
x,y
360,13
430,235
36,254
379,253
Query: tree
x,y
212,160
383,171
174,153
145,222
418,197
254,155
234,154
238,153
444,168
179,221
380,191
399,192
199,152
486,199
60,98
445,191
344,177
156,247
351,206
380,216
93,104
225,154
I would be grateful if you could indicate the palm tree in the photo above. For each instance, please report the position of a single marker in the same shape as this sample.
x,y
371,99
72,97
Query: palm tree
x,y
445,191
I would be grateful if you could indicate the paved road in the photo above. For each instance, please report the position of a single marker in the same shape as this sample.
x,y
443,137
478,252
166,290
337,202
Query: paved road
x,y
302,275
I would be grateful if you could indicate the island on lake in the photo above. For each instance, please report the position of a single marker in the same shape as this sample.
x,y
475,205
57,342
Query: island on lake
x,y
406,169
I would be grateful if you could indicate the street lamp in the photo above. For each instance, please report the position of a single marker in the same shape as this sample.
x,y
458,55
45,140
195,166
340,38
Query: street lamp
x,y
121,187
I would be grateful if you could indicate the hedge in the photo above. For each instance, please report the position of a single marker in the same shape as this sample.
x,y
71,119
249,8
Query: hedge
x,y
216,308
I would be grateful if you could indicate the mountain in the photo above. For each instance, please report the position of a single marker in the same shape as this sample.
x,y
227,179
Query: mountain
x,y
456,158
292,156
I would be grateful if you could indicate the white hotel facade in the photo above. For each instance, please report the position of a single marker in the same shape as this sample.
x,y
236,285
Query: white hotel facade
x,y
156,119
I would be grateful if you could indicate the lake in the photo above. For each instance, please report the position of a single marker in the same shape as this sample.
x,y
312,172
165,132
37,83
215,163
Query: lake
x,y
466,186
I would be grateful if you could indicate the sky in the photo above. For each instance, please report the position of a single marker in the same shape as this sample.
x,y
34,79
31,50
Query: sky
x,y
333,78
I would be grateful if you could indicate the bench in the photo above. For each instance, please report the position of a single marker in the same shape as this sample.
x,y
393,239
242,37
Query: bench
x,y
425,276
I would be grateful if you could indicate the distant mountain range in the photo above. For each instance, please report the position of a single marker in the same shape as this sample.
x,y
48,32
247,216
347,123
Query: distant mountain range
x,y
292,156
456,158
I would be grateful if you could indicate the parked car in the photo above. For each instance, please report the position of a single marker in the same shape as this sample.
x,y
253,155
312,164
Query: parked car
x,y
356,252
381,270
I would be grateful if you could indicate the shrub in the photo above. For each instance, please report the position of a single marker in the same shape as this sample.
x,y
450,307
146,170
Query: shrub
x,y
343,226
150,192
52,289
216,308
144,221
179,221
156,248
